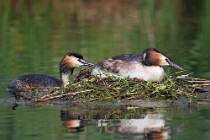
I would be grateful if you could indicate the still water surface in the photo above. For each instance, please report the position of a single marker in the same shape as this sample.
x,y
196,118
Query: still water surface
x,y
34,36
103,121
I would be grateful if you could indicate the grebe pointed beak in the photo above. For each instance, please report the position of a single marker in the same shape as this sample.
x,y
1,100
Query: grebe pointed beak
x,y
86,63
174,65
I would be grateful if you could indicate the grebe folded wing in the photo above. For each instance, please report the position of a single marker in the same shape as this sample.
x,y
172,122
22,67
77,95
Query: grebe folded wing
x,y
33,81
128,57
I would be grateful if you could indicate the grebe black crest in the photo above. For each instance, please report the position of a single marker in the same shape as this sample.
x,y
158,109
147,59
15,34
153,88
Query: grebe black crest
x,y
146,66
39,81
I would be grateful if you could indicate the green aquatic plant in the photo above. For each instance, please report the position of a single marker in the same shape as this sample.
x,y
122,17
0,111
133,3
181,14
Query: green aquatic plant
x,y
122,89
114,89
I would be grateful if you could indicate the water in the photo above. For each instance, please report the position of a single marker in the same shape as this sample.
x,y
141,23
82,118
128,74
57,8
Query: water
x,y
103,121
34,36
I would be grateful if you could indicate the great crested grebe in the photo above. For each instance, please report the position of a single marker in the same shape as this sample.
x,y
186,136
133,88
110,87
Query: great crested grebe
x,y
39,81
146,66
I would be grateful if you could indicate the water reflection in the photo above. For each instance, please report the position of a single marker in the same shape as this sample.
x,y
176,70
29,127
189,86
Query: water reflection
x,y
152,126
95,121
125,122
72,122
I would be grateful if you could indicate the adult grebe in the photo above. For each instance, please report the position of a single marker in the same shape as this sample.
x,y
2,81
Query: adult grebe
x,y
146,66
42,82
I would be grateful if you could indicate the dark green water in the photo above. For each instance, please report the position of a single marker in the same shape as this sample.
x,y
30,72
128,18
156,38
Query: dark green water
x,y
34,36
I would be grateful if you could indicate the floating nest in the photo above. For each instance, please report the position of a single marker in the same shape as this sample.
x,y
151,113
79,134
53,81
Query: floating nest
x,y
89,88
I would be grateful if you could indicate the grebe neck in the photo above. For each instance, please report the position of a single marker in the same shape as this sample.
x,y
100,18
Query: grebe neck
x,y
64,79
64,75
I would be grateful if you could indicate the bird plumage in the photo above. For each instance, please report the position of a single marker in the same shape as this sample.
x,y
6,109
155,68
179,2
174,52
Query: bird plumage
x,y
146,66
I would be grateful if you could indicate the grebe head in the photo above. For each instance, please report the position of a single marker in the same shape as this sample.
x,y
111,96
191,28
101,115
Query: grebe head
x,y
72,60
153,57
69,62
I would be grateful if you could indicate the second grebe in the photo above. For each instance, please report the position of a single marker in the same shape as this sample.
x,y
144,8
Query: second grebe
x,y
39,81
146,66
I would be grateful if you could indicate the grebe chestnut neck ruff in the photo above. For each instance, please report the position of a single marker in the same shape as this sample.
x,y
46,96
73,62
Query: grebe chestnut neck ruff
x,y
146,66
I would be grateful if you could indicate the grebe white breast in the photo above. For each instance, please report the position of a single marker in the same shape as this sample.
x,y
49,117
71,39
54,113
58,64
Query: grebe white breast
x,y
146,66
39,81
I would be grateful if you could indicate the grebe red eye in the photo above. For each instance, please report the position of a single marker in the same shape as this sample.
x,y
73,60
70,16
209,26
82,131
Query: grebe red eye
x,y
167,60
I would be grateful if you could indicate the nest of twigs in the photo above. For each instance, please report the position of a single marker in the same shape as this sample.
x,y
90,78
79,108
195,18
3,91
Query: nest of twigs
x,y
90,88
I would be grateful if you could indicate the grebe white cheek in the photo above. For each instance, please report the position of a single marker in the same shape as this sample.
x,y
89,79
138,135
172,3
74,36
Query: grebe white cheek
x,y
77,62
163,61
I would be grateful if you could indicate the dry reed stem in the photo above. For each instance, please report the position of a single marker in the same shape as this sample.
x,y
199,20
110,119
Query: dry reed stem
x,y
58,96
